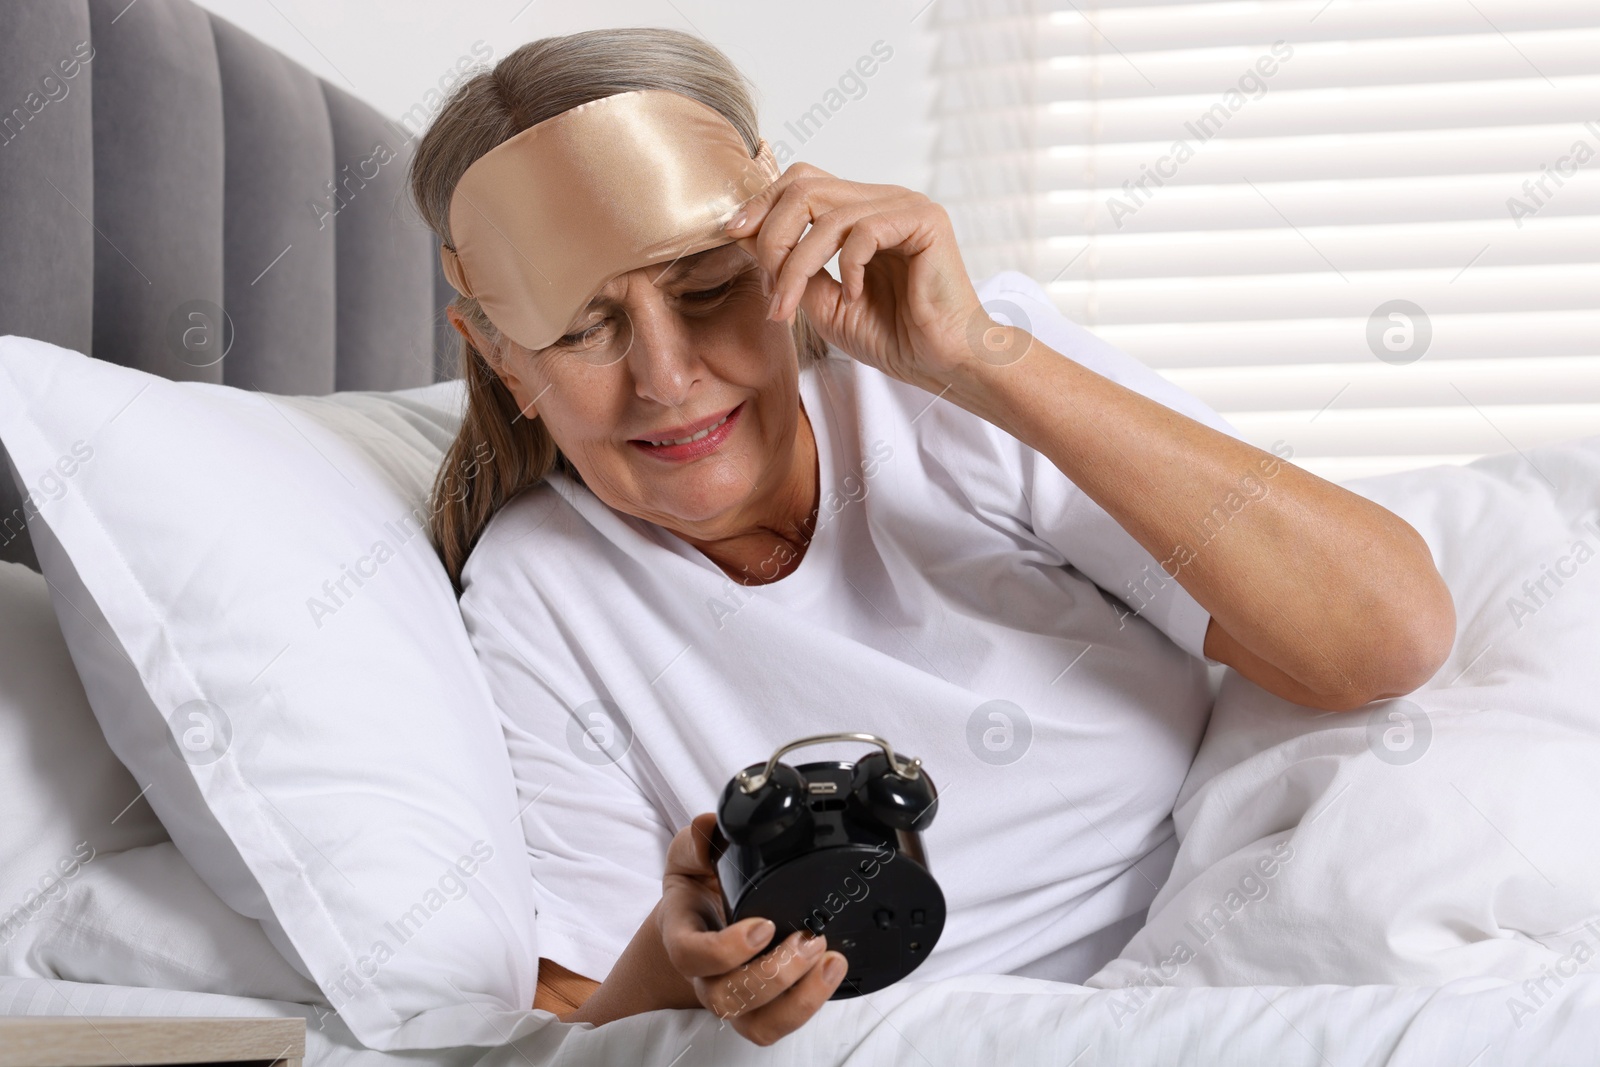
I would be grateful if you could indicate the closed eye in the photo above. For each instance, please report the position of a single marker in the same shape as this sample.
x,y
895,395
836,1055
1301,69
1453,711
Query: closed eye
x,y
711,294
584,337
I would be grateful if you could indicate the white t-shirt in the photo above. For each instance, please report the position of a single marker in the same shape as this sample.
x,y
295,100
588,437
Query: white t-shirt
x,y
950,601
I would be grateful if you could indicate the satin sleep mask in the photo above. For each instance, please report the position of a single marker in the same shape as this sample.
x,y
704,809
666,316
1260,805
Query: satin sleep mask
x,y
546,218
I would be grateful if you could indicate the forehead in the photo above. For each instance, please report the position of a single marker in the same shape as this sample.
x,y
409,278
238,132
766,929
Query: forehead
x,y
684,268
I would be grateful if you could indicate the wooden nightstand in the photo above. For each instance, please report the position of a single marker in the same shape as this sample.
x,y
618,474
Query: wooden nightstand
x,y
122,1041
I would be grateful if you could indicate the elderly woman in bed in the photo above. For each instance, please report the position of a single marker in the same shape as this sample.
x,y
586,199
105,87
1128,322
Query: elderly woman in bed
x,y
707,499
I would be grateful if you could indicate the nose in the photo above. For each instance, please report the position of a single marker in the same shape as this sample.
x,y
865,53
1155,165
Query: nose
x,y
663,357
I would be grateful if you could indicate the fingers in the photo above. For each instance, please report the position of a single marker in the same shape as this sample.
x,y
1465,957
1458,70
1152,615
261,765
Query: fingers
x,y
760,981
753,212
898,230
774,995
698,949
778,217
855,236
691,852
796,1005
763,997
803,203
856,233
691,916
810,256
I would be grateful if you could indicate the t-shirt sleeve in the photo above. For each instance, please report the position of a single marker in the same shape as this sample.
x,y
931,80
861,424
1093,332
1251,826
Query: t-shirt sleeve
x,y
1063,515
596,846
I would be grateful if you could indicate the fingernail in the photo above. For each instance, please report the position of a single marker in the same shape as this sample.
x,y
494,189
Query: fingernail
x,y
737,221
834,969
772,305
759,934
812,945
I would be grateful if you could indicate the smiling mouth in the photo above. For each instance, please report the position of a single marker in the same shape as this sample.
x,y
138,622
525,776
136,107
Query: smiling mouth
x,y
686,447
702,435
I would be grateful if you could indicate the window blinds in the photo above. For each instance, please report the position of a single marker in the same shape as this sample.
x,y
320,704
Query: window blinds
x,y
1367,229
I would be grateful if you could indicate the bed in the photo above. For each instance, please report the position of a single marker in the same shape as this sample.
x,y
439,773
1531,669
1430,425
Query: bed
x,y
182,167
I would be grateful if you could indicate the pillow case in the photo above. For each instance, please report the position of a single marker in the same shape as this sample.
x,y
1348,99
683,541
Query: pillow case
x,y
65,801
143,918
268,639
1447,834
91,889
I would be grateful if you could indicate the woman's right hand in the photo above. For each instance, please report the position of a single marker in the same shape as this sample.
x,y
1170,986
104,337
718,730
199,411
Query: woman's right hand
x,y
763,999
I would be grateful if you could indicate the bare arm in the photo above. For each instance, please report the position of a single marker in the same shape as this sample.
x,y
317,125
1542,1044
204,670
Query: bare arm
x,y
1316,594
642,980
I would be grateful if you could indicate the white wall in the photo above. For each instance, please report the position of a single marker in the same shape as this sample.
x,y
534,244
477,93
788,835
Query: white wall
x,y
394,53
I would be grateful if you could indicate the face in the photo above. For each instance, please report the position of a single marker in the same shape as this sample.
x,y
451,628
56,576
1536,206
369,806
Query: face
x,y
673,394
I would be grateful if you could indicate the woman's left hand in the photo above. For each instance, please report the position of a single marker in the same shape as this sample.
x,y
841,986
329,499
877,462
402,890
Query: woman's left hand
x,y
903,302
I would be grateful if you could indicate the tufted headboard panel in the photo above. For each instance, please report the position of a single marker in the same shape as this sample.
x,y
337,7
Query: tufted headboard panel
x,y
159,165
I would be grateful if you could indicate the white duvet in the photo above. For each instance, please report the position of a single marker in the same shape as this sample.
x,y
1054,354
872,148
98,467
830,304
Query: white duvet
x,y
1441,836
982,1019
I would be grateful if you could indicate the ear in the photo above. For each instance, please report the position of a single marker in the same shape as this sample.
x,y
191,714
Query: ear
x,y
465,328
493,356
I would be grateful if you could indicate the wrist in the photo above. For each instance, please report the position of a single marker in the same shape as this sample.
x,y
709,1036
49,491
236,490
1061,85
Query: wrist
x,y
999,361
643,979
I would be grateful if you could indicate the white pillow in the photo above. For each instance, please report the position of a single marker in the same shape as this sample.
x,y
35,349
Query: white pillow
x,y
144,918
267,636
91,888
64,798
1447,834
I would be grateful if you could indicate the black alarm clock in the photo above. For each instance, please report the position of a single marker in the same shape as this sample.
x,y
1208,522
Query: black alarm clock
x,y
836,848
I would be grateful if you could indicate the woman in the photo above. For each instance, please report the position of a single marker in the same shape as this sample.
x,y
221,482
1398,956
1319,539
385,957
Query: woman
x,y
738,501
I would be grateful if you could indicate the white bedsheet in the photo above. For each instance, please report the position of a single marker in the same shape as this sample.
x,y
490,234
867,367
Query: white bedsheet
x,y
981,1020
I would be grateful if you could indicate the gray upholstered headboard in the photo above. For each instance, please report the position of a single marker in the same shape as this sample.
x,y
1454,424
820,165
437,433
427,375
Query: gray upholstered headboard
x,y
158,163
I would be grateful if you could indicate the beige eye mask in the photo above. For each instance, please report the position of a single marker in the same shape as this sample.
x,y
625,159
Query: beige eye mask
x,y
545,219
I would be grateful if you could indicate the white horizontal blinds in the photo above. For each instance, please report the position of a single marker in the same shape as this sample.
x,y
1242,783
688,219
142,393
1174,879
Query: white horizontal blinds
x,y
1230,191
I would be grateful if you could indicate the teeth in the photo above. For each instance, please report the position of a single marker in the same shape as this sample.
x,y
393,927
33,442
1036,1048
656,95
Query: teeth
x,y
693,437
